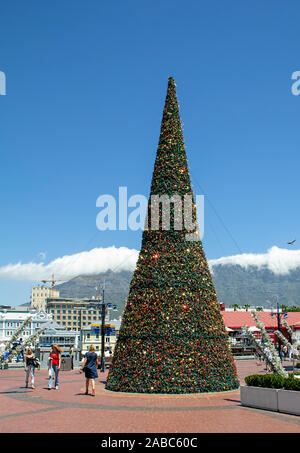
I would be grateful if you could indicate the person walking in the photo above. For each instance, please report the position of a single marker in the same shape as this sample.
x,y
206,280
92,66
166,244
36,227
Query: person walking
x,y
268,360
29,367
89,367
71,351
20,355
55,361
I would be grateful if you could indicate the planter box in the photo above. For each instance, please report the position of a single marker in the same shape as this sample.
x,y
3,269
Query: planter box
x,y
289,401
259,397
278,400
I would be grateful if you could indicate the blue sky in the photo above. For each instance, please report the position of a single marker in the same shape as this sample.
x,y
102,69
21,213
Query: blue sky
x,y
86,84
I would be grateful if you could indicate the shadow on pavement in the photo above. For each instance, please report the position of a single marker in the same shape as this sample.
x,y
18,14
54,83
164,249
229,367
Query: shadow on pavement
x,y
78,394
13,391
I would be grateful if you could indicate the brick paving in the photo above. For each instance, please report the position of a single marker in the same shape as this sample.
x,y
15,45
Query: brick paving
x,y
68,410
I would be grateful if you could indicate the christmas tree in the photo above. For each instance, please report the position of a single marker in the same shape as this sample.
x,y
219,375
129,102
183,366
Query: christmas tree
x,y
172,337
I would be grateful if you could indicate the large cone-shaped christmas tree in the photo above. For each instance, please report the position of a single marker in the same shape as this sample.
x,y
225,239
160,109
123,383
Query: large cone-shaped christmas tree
x,y
172,337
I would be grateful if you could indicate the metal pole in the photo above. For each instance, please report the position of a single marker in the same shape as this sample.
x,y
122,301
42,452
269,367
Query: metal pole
x,y
292,351
102,338
103,333
80,329
279,329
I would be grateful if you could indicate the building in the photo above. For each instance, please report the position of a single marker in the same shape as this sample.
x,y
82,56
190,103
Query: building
x,y
39,295
74,314
11,320
92,335
235,320
55,334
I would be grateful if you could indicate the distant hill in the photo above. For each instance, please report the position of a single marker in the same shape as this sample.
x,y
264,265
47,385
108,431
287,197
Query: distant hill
x,y
253,286
116,288
234,284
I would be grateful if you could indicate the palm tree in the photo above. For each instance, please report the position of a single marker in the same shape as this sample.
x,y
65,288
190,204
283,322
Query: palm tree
x,y
235,306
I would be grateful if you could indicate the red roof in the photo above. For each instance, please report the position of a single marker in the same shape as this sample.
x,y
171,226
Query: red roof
x,y
237,319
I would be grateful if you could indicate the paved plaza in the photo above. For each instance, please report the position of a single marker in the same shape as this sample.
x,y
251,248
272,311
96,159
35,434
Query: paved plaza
x,y
69,410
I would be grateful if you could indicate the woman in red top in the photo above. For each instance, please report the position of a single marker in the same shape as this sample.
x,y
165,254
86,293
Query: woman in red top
x,y
54,358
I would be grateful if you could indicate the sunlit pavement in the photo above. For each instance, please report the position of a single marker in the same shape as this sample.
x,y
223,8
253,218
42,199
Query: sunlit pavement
x,y
69,410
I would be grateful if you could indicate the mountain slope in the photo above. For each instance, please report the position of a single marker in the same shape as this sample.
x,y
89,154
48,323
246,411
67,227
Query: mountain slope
x,y
234,284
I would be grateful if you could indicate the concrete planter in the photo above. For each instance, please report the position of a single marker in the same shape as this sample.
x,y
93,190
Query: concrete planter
x,y
259,397
289,401
286,401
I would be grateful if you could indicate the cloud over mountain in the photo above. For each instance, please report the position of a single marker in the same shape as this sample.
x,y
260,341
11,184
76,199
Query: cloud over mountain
x,y
91,262
98,260
277,260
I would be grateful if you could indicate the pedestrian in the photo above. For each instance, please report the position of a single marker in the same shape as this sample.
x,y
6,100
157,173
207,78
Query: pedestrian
x,y
258,357
71,351
49,366
21,353
268,359
55,360
2,348
89,367
29,367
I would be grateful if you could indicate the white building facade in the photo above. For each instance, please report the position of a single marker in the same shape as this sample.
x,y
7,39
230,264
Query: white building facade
x,y
11,320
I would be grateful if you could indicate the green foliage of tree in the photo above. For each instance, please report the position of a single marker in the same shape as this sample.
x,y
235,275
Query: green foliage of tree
x,y
172,338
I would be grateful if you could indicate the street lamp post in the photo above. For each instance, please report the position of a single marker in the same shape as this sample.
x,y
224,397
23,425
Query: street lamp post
x,y
103,313
278,314
104,306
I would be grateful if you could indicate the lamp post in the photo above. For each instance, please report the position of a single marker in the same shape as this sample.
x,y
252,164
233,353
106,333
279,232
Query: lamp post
x,y
279,314
79,311
104,306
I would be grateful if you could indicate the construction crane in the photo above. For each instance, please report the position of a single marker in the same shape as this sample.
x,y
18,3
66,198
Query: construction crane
x,y
54,280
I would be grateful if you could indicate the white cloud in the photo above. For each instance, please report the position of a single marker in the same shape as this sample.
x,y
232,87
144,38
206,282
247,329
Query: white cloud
x,y
279,261
95,261
89,263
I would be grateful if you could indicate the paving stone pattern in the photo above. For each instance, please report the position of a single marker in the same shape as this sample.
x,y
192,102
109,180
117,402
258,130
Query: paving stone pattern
x,y
69,410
